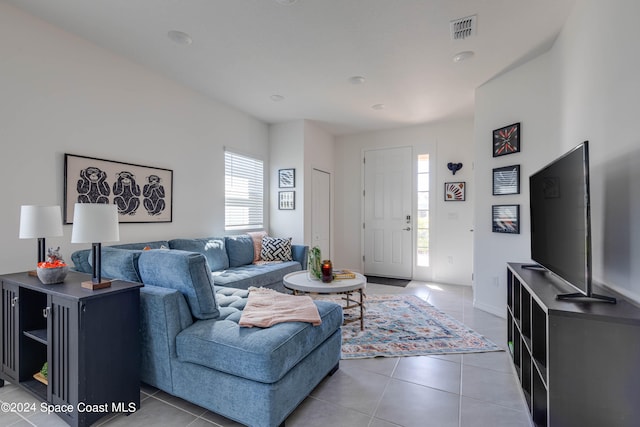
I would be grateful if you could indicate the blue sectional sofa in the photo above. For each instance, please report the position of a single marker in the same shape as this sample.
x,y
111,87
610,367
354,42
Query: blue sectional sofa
x,y
230,259
193,347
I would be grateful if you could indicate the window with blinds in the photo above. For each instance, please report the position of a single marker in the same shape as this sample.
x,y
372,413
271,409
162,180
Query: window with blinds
x,y
243,191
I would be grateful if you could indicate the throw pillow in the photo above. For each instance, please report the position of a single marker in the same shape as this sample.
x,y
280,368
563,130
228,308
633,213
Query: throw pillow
x,y
276,249
257,236
119,263
239,250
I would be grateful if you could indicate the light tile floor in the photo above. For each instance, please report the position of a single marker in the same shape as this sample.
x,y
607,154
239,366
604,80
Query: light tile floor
x,y
449,390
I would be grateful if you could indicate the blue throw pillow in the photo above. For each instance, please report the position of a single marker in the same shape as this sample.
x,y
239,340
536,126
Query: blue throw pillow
x,y
239,250
211,247
119,264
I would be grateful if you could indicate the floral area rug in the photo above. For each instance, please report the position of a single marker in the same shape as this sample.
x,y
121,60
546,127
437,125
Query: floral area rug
x,y
406,325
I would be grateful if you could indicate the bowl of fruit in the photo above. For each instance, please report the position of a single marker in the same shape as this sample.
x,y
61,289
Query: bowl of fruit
x,y
54,269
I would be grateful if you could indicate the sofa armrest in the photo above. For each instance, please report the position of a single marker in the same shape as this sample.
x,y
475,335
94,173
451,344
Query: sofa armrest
x,y
300,253
163,314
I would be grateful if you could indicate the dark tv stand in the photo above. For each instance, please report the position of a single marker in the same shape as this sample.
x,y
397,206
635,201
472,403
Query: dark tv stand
x,y
536,267
577,364
577,296
586,298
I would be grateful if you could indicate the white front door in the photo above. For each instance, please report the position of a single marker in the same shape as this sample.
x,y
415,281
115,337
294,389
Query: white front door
x,y
321,212
387,205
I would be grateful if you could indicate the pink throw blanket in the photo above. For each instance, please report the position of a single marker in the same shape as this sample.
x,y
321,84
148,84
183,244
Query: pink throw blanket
x,y
266,307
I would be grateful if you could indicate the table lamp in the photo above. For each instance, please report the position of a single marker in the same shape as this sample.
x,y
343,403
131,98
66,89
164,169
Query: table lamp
x,y
95,223
38,222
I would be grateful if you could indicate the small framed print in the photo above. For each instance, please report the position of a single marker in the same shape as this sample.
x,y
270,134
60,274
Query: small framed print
x,y
506,140
286,200
454,191
506,180
505,219
286,178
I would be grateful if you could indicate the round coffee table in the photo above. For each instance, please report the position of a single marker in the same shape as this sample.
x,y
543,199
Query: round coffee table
x,y
299,282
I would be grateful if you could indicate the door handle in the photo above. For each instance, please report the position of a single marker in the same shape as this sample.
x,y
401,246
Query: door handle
x,y
407,229
46,311
14,301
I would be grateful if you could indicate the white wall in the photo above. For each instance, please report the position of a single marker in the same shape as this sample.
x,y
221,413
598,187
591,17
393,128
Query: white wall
x,y
318,154
585,88
61,94
451,238
303,145
523,95
286,142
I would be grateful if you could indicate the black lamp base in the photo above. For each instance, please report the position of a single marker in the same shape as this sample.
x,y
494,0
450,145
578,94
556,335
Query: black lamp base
x,y
99,285
96,281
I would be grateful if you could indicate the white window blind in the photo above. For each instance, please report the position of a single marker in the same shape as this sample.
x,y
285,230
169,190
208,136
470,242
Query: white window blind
x,y
244,191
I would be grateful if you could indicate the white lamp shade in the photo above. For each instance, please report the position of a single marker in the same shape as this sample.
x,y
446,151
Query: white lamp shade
x,y
40,221
95,223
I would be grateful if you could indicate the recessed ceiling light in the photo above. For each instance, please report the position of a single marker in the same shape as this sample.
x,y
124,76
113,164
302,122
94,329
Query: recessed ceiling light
x,y
179,37
277,98
462,56
356,80
378,106
286,2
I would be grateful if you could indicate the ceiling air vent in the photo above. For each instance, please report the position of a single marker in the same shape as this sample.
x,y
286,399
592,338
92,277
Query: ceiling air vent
x,y
463,28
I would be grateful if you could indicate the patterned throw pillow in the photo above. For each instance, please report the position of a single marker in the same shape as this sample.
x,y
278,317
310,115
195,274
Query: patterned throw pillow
x,y
276,249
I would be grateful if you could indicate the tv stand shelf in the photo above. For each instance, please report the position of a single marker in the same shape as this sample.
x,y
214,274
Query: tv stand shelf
x,y
578,362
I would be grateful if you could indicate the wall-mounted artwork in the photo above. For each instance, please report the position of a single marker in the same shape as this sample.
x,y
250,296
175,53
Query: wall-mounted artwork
x,y
506,180
286,178
286,200
506,140
142,193
505,219
454,191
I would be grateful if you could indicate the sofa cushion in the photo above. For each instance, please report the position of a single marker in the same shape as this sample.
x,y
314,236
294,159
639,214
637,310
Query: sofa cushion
x,y
254,274
212,248
239,250
187,272
276,249
81,258
259,354
118,263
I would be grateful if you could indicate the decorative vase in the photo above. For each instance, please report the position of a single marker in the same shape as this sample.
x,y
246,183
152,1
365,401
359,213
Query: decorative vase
x,y
52,275
327,271
315,264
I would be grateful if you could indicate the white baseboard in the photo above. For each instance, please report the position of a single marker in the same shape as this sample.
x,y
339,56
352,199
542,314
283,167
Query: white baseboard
x,y
500,312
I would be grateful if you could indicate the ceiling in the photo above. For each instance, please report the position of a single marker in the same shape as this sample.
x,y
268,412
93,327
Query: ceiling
x,y
245,51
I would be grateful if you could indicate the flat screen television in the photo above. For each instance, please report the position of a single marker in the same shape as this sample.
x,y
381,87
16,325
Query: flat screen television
x,y
561,221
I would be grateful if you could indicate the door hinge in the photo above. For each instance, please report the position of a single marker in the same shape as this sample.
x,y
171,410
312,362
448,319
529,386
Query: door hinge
x,y
362,193
364,160
362,258
363,225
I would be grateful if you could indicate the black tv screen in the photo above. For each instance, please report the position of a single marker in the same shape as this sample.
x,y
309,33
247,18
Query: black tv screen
x,y
561,218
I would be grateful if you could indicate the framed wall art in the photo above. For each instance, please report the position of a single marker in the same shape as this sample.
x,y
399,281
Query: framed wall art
x,y
286,178
286,200
142,193
454,191
505,219
506,180
506,140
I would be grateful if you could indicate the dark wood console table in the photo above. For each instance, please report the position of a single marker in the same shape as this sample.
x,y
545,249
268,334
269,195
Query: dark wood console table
x,y
90,339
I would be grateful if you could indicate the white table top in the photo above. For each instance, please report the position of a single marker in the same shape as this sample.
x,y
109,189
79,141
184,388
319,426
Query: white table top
x,y
300,281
